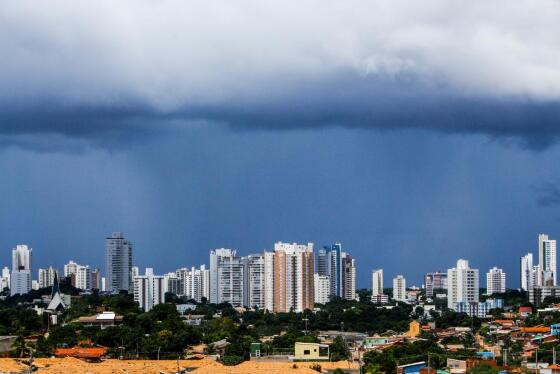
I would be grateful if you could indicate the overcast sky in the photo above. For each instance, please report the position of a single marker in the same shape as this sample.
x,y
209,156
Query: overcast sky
x,y
414,133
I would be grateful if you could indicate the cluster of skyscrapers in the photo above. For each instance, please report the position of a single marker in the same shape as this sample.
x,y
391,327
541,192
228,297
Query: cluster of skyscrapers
x,y
290,277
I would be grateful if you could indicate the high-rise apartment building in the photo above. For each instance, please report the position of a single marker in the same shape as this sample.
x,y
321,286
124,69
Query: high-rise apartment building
x,y
46,277
399,288
322,288
435,281
376,283
118,263
269,280
547,261
495,281
340,267
348,276
20,277
226,277
527,272
5,280
149,290
80,275
462,284
194,283
254,280
96,279
293,277
171,283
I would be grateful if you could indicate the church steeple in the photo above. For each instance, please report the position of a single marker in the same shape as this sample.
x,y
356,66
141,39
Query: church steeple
x,y
55,286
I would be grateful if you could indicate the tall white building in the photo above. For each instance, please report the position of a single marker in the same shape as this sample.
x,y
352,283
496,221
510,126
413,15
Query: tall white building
x,y
118,263
149,290
377,282
268,281
527,274
70,268
83,278
194,283
462,284
5,280
80,275
171,283
226,277
547,261
399,288
46,277
254,278
322,288
495,281
20,277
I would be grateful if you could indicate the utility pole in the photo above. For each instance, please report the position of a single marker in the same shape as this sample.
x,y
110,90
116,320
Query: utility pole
x,y
30,361
158,348
537,361
429,371
554,355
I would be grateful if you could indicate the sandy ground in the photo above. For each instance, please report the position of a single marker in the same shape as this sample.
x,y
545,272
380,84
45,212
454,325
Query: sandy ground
x,y
74,366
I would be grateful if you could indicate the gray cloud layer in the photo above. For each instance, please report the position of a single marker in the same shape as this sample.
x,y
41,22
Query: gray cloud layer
x,y
83,68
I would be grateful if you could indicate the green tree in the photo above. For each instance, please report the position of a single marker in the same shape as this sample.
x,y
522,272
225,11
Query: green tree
x,y
339,349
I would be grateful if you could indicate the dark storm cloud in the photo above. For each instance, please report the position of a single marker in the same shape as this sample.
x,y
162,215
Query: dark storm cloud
x,y
109,72
547,194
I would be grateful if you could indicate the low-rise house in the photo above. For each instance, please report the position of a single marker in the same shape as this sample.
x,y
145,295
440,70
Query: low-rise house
x,y
89,354
6,343
193,319
101,320
413,368
524,311
311,352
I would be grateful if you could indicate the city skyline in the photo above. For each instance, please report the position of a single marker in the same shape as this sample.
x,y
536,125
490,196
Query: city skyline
x,y
320,269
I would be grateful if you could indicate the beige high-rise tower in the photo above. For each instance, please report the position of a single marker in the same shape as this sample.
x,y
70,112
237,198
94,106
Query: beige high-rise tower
x,y
293,277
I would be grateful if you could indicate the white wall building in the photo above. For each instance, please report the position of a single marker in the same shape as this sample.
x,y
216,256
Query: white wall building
x,y
70,268
399,288
20,277
46,277
322,288
194,283
149,290
377,282
253,284
547,261
269,281
495,281
527,275
226,277
462,284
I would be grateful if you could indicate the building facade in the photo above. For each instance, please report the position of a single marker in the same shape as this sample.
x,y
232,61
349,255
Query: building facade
x,y
20,277
293,277
399,288
118,263
322,288
194,283
527,275
547,261
495,281
226,277
45,277
376,282
435,281
149,290
254,279
462,284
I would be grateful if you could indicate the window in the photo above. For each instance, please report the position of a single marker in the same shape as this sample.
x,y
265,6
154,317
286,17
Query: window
x,y
306,351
